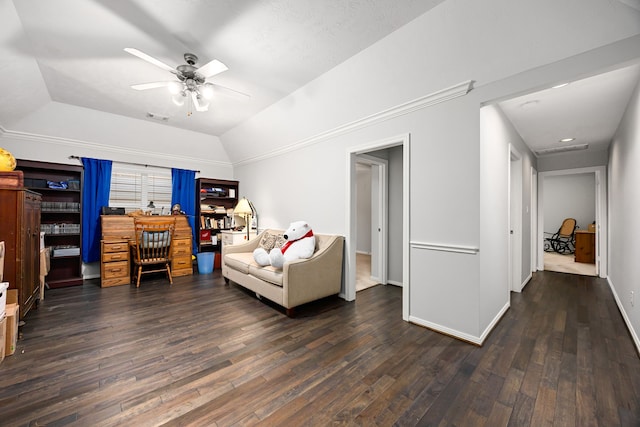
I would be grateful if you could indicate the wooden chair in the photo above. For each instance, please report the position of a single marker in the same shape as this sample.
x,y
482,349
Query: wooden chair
x,y
564,241
152,247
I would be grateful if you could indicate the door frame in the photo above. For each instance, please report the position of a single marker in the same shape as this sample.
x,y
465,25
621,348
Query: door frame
x,y
350,238
601,214
534,219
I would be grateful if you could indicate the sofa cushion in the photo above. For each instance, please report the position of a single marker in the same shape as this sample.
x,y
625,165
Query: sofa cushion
x,y
268,274
240,261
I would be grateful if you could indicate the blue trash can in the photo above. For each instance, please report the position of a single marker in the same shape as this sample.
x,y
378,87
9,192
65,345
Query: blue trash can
x,y
205,262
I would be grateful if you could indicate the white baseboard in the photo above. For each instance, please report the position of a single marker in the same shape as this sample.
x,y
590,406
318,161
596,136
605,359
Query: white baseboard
x,y
395,283
633,333
494,322
461,335
447,331
526,281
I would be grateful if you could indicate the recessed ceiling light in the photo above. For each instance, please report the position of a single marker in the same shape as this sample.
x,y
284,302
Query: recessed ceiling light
x,y
567,139
558,86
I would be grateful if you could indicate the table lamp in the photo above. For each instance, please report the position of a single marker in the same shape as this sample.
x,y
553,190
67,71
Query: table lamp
x,y
243,208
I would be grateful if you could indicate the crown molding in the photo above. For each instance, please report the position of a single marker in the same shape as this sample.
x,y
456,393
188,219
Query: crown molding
x,y
84,145
425,101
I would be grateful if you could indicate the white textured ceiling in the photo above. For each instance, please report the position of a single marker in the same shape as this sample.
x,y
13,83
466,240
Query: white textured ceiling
x,y
588,110
271,48
71,51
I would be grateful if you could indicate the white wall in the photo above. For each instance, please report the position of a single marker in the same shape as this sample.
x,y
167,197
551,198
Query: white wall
x,y
363,208
569,196
496,133
56,131
573,160
624,212
507,49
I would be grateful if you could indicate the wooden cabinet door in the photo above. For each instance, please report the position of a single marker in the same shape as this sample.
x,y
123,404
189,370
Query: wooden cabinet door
x,y
31,249
585,247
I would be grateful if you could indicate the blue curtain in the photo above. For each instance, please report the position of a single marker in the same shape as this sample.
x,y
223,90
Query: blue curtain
x,y
183,191
95,195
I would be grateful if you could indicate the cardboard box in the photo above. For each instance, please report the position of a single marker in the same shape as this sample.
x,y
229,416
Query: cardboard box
x,y
3,334
12,316
11,334
4,286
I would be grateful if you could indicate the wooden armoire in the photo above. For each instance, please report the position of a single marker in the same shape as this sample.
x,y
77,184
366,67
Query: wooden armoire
x,y
20,230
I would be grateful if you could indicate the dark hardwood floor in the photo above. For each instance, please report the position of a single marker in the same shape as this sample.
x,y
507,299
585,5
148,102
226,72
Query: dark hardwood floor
x,y
204,354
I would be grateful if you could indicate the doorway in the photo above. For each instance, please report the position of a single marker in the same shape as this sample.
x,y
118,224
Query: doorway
x,y
392,221
598,199
371,219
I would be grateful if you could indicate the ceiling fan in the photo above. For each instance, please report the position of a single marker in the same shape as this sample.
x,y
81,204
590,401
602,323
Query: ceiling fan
x,y
191,84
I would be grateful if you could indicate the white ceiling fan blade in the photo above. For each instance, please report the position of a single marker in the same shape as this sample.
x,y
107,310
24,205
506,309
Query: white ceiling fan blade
x,y
230,90
152,85
150,59
196,102
212,68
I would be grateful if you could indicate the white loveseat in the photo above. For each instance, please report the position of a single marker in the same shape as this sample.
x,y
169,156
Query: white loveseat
x,y
298,282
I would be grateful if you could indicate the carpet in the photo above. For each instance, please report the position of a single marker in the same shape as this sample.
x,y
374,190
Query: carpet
x,y
566,264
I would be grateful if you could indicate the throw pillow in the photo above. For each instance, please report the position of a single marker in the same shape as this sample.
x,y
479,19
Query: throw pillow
x,y
268,241
279,241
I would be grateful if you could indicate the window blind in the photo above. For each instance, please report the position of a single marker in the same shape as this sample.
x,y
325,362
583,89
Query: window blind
x,y
133,187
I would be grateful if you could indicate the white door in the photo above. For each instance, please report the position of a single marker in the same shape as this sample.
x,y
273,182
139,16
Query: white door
x,y
515,219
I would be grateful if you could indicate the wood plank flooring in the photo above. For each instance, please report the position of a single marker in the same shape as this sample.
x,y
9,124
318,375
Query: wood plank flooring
x,y
200,353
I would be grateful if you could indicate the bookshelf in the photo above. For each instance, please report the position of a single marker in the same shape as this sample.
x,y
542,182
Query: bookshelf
x,y
60,217
214,198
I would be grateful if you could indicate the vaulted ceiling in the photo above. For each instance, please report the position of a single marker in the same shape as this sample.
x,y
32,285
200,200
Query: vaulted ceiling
x,y
72,52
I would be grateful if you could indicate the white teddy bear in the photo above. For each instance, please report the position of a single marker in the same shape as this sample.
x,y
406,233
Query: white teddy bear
x,y
300,243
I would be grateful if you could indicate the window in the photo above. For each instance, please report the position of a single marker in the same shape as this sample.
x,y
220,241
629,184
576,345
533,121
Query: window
x,y
134,187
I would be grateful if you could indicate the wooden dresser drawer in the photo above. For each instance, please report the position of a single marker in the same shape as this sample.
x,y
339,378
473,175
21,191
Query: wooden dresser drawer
x,y
181,247
181,263
116,269
115,256
115,281
115,247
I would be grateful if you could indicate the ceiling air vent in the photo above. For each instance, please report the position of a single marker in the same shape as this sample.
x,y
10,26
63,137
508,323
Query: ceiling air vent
x,y
555,150
158,117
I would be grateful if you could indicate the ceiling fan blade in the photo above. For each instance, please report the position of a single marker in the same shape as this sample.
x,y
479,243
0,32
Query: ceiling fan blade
x,y
196,102
212,68
150,59
230,90
152,85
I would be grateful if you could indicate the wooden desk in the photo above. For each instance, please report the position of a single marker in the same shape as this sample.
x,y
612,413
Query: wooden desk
x,y
585,246
115,259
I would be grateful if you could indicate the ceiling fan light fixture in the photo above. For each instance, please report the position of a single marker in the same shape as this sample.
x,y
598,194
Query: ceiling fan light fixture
x,y
207,91
178,99
175,87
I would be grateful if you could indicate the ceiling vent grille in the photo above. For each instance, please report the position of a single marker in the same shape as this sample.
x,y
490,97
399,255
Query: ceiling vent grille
x,y
157,117
556,150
